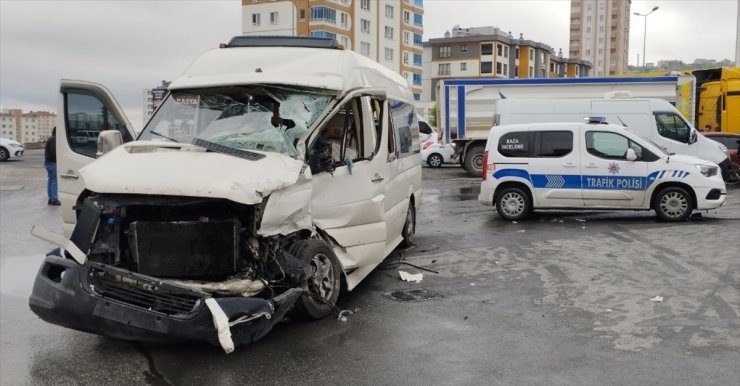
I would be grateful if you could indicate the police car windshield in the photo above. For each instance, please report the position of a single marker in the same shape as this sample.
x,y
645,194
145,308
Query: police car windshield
x,y
263,118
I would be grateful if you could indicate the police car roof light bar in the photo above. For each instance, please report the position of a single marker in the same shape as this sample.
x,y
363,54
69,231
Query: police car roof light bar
x,y
595,120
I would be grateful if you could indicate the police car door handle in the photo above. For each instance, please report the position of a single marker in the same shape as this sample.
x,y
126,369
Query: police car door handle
x,y
69,175
570,164
591,166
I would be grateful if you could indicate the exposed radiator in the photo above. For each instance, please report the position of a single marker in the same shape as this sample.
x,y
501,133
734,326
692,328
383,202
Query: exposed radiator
x,y
185,249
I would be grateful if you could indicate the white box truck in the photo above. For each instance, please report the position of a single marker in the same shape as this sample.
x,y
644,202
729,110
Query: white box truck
x,y
466,106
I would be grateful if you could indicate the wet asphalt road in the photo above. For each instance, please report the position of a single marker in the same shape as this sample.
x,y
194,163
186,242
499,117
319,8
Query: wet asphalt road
x,y
563,298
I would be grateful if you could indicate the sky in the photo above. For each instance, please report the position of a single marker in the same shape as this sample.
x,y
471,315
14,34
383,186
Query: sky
x,y
132,45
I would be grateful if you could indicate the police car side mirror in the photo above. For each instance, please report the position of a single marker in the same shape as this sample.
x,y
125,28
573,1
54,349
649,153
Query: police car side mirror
x,y
693,137
631,155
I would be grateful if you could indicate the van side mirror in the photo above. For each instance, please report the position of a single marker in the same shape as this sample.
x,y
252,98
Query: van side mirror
x,y
693,137
108,140
631,155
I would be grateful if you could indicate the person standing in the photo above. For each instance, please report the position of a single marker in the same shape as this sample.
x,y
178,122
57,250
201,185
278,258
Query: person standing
x,y
50,163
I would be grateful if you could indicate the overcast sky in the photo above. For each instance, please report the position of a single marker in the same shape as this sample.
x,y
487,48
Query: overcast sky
x,y
132,45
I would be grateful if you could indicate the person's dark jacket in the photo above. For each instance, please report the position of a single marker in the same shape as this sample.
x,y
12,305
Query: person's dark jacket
x,y
50,152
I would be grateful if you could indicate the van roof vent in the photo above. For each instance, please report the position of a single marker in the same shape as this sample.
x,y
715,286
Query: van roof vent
x,y
283,41
616,94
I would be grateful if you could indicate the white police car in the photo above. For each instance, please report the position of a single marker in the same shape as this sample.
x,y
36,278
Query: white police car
x,y
592,166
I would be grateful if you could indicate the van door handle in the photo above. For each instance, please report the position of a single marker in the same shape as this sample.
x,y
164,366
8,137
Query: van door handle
x,y
592,166
377,178
569,164
69,175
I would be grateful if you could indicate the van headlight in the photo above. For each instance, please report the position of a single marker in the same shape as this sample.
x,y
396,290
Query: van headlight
x,y
707,170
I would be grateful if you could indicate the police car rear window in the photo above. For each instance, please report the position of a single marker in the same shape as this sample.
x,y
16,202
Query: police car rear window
x,y
555,143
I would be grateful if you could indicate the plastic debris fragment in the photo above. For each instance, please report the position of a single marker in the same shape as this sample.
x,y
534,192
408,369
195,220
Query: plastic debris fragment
x,y
657,299
416,278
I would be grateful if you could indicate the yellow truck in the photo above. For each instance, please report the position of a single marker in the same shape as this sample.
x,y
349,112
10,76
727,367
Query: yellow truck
x,y
718,102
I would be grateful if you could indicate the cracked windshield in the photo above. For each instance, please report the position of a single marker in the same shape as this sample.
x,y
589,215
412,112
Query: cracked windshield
x,y
270,119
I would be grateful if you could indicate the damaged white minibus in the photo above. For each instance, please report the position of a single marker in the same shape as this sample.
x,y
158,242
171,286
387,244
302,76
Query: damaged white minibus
x,y
277,171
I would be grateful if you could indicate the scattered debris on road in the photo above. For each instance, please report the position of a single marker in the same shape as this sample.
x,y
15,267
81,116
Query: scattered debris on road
x,y
411,277
657,299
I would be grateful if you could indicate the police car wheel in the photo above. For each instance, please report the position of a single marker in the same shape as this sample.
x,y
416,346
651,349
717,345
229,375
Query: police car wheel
x,y
513,204
4,154
435,160
673,204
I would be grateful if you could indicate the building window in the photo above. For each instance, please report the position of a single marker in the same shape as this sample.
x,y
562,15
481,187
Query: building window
x,y
389,32
406,37
405,57
345,42
303,15
506,51
323,34
588,30
499,68
324,14
365,48
417,79
365,4
445,52
343,19
443,69
588,19
389,11
486,49
463,66
486,67
417,40
531,72
388,54
463,48
407,17
273,17
417,60
417,96
499,50
255,19
531,54
365,25
418,20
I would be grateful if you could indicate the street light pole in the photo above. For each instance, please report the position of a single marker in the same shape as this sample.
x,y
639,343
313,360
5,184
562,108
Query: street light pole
x,y
644,34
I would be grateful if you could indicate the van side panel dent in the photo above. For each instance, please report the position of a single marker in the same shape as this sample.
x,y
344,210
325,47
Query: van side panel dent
x,y
288,210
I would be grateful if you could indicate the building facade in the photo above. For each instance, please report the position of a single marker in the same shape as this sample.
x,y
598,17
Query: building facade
x,y
388,31
153,97
30,127
487,52
599,33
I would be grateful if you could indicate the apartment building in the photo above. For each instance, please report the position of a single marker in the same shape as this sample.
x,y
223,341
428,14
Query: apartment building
x,y
153,97
599,33
388,31
33,126
488,52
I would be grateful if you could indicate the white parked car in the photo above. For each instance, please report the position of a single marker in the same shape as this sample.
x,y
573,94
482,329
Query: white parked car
x,y
592,166
277,172
437,154
10,149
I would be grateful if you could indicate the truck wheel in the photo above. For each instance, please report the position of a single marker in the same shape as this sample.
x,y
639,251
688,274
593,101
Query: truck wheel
x,y
513,204
434,160
673,204
323,283
474,161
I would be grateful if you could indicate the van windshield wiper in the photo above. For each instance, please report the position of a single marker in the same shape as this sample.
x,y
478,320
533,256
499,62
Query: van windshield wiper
x,y
163,136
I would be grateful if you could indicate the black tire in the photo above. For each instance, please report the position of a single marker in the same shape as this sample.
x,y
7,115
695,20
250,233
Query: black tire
x,y
435,160
513,204
323,283
474,161
673,204
732,176
409,226
4,154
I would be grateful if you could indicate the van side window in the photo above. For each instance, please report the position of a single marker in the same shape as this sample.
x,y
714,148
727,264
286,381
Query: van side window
x,y
405,128
514,144
671,126
86,117
376,133
608,145
340,140
555,143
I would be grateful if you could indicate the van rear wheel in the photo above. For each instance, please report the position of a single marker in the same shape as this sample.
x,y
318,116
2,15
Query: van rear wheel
x,y
673,204
513,204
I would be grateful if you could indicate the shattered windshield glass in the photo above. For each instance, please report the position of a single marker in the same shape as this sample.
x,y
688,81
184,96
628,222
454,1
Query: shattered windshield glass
x,y
263,118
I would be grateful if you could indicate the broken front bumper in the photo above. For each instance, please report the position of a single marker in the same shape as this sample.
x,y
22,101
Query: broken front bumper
x,y
104,300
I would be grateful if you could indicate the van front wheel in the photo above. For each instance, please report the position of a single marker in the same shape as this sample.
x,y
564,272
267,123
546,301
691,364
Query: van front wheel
x,y
324,279
513,204
673,204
